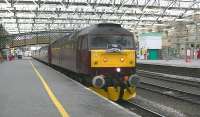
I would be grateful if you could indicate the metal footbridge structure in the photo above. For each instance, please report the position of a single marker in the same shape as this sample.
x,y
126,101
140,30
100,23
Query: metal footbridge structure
x,y
35,38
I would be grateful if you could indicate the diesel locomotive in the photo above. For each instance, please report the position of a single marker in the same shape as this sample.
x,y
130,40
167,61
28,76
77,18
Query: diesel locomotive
x,y
103,55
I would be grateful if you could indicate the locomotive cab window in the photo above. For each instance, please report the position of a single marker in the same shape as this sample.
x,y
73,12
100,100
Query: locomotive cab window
x,y
104,41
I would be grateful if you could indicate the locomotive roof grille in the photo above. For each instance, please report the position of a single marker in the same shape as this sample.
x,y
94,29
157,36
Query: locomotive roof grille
x,y
108,24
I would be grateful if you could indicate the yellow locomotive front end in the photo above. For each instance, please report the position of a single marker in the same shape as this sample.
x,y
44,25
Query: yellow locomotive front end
x,y
115,73
104,58
112,61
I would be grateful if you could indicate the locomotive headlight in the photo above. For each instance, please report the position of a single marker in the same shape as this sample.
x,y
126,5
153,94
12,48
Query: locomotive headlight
x,y
118,69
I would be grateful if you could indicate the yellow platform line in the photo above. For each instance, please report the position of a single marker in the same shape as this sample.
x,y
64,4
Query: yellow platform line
x,y
51,95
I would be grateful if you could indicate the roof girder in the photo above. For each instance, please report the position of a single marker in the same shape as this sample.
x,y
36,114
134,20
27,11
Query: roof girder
x,y
121,11
137,5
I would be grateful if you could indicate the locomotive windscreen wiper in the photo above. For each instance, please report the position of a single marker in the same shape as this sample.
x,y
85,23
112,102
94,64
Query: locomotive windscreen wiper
x,y
113,48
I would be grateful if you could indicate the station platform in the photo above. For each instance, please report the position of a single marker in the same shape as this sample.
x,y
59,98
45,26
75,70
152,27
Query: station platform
x,y
29,88
176,63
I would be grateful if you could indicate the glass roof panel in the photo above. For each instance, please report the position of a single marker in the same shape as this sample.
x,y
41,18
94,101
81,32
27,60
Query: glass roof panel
x,y
34,15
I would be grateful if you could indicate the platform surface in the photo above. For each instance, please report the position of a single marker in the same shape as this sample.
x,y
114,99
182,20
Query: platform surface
x,y
177,63
23,95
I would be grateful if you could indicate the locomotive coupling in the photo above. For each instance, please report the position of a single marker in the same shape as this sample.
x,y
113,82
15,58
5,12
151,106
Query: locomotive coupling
x,y
98,81
133,80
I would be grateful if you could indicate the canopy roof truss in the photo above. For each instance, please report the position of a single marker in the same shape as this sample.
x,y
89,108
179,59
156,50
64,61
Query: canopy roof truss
x,y
21,16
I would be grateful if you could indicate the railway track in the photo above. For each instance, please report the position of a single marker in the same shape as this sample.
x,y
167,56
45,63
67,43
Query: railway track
x,y
188,81
177,94
185,84
138,109
184,71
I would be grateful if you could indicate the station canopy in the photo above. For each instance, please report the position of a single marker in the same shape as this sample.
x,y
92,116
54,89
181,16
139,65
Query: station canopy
x,y
22,16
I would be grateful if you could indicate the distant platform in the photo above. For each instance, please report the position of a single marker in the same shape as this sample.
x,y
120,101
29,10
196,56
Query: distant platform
x,y
177,63
23,94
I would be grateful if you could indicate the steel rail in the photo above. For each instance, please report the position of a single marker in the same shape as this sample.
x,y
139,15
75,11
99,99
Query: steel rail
x,y
177,94
139,109
169,78
174,70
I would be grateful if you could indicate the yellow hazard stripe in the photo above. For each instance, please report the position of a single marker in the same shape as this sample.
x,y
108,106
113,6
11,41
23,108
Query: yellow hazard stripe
x,y
53,98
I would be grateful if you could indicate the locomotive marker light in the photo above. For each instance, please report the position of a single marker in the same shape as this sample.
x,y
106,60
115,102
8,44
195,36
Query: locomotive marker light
x,y
105,60
133,80
122,59
98,81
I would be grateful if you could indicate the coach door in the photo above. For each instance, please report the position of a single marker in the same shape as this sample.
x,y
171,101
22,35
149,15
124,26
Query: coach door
x,y
82,58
